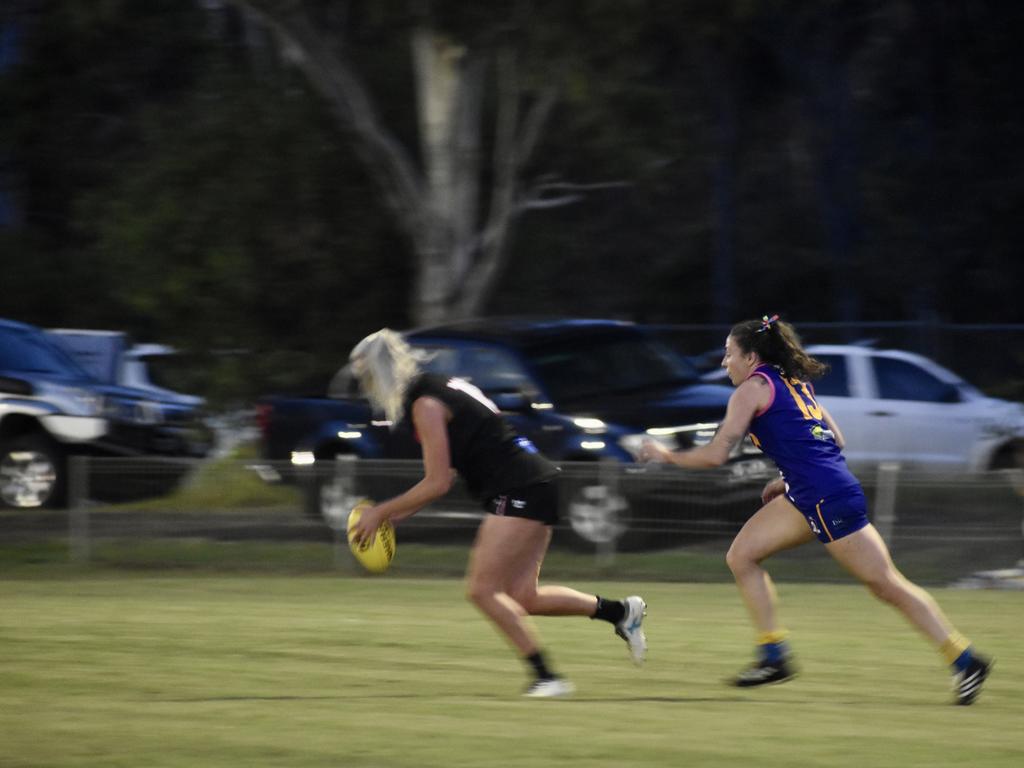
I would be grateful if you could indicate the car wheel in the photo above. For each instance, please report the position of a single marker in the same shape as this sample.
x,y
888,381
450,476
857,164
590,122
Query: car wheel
x,y
597,515
33,473
1010,456
336,501
330,491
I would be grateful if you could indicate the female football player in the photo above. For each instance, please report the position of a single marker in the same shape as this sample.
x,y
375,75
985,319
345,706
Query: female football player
x,y
461,431
816,496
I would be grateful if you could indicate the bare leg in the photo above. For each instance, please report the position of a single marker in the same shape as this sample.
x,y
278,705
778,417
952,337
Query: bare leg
x,y
507,551
778,525
552,600
548,600
865,555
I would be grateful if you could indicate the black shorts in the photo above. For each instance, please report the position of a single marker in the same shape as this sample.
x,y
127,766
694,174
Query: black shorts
x,y
534,502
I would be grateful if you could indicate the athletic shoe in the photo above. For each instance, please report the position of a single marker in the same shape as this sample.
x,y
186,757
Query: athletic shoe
x,y
549,688
630,628
764,673
967,684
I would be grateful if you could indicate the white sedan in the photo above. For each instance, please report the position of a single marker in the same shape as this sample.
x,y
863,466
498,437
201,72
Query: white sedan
x,y
896,406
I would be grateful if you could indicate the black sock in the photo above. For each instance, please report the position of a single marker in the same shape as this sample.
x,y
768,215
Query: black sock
x,y
609,610
540,667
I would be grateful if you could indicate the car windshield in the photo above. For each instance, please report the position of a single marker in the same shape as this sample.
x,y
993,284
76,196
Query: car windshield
x,y
578,368
174,371
31,353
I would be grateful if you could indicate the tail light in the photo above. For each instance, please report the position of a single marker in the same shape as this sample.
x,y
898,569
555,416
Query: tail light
x,y
263,413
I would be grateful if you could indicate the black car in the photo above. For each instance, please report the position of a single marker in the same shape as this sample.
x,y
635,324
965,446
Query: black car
x,y
582,390
586,393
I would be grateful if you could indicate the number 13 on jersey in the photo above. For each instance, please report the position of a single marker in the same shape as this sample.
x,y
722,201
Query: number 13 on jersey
x,y
804,398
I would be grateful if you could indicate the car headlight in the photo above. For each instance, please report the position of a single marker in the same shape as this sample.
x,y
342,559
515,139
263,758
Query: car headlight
x,y
74,401
688,436
589,424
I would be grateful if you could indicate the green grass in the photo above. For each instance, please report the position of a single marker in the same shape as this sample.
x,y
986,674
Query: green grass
x,y
939,564
116,670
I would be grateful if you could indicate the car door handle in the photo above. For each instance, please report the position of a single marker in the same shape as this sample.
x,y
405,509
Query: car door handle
x,y
881,413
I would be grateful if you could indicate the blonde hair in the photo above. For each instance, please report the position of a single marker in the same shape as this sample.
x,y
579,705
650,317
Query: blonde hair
x,y
385,365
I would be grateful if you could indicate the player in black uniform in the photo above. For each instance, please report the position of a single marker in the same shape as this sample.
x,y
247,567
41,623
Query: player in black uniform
x,y
461,431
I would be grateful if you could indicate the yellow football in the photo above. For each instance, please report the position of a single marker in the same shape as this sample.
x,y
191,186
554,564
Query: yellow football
x,y
376,555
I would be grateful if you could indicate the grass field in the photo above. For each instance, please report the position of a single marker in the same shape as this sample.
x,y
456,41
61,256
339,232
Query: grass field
x,y
229,671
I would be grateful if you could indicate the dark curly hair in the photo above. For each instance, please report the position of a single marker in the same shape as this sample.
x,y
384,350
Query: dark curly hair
x,y
777,343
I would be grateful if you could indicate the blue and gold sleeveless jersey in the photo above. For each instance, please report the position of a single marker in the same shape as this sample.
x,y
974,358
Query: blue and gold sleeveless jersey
x,y
793,433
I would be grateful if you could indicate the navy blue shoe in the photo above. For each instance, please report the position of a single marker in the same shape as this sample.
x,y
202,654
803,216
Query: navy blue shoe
x,y
967,684
765,673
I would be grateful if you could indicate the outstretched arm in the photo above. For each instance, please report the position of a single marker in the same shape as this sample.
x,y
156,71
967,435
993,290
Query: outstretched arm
x,y
746,401
430,417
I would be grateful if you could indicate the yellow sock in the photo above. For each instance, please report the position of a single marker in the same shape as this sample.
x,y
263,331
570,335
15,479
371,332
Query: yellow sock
x,y
776,636
953,646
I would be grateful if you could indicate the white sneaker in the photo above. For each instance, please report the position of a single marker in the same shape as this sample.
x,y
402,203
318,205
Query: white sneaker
x,y
547,689
630,628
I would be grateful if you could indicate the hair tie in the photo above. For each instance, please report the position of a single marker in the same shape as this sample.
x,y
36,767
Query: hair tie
x,y
767,323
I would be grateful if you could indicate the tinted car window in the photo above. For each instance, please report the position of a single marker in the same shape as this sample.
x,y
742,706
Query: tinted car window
x,y
31,353
900,380
493,369
835,383
602,365
443,360
489,368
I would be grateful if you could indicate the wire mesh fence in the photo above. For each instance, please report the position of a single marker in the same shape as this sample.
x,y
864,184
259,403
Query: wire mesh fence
x,y
626,521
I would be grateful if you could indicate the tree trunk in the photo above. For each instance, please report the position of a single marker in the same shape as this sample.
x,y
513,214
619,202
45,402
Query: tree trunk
x,y
458,255
449,82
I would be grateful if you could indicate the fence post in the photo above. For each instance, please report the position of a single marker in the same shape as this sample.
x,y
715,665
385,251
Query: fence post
x,y
79,544
885,500
341,491
608,477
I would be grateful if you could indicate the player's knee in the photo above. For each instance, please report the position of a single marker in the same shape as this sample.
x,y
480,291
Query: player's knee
x,y
479,592
886,587
739,558
525,598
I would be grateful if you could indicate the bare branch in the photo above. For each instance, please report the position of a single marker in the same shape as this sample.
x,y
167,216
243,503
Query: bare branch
x,y
385,158
538,204
537,198
535,121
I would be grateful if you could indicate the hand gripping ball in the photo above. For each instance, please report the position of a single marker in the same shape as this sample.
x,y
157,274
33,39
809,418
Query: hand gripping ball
x,y
375,555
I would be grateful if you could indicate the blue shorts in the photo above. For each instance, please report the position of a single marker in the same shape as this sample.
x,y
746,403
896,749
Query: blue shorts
x,y
837,516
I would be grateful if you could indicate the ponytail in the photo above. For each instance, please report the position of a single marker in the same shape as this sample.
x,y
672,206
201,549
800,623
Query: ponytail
x,y
777,343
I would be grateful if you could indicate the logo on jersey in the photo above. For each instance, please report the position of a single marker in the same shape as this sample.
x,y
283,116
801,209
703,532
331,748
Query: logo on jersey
x,y
819,432
526,445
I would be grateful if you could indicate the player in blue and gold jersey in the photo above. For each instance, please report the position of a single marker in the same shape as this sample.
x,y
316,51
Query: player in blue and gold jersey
x,y
815,496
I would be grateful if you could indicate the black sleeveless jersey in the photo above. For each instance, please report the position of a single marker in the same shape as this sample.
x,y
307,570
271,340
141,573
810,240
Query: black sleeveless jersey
x,y
485,450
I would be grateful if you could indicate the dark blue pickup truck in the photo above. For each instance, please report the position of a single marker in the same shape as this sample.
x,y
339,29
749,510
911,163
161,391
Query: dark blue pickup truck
x,y
581,390
51,409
